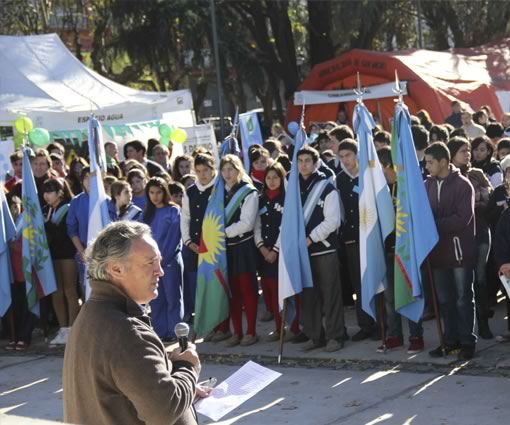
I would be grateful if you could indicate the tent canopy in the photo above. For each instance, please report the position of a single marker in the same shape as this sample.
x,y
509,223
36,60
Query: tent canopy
x,y
43,79
476,77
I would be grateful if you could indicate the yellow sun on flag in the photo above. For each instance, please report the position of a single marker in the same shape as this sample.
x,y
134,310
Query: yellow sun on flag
x,y
366,217
29,233
401,219
213,239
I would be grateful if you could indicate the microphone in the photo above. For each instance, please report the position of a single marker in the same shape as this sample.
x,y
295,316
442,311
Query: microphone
x,y
181,332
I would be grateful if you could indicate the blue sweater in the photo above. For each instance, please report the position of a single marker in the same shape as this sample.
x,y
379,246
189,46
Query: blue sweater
x,y
78,217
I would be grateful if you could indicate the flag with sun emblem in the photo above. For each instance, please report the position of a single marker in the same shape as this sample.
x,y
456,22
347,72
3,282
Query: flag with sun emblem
x,y
37,264
416,232
376,213
213,291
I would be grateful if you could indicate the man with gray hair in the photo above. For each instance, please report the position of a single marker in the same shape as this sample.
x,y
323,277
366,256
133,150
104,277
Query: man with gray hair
x,y
116,369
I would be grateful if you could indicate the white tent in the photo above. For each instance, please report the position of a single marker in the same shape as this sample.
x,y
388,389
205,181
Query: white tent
x,y
41,78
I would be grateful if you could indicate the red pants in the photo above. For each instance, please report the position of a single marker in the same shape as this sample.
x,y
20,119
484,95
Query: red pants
x,y
271,284
243,293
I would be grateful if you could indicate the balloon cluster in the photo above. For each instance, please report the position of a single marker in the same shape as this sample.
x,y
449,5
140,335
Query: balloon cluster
x,y
25,128
169,133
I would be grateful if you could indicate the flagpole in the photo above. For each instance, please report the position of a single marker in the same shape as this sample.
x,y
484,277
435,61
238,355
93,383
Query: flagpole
x,y
282,330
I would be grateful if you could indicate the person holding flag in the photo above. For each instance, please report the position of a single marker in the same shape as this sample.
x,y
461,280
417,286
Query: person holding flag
x,y
322,301
37,264
394,337
376,214
194,204
241,207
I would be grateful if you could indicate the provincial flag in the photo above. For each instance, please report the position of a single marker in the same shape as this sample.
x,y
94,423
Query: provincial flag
x,y
250,134
416,232
7,233
37,263
212,304
376,213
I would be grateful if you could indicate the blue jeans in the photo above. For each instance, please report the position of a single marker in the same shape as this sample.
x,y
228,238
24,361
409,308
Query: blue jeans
x,y
457,305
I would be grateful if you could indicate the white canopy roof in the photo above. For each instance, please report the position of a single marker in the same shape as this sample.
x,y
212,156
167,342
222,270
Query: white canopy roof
x,y
43,79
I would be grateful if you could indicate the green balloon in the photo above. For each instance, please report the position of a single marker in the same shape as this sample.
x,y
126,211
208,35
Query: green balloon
x,y
23,125
165,131
164,141
18,140
39,137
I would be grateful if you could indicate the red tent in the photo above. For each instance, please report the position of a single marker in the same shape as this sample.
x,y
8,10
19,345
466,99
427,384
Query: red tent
x,y
434,79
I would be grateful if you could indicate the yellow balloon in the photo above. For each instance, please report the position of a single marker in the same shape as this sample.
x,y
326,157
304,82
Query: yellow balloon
x,y
178,136
18,140
24,125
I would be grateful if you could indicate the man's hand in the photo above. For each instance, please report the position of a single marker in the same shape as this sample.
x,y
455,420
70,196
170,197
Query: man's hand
x,y
505,269
202,391
194,247
308,242
189,355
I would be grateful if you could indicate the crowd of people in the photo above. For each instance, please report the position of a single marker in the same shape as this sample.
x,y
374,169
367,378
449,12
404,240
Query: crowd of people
x,y
465,164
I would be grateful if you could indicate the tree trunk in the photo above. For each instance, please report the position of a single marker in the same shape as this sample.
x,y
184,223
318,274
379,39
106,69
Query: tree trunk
x,y
319,24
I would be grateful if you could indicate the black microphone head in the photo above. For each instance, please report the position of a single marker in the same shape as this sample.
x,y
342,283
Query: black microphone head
x,y
181,330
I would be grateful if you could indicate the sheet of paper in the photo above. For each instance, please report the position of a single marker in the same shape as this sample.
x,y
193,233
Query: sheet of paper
x,y
506,283
235,390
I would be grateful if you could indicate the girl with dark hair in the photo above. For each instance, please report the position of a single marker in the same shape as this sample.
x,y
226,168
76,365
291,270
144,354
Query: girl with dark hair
x,y
241,206
121,206
58,195
259,160
461,158
181,167
482,151
164,219
267,232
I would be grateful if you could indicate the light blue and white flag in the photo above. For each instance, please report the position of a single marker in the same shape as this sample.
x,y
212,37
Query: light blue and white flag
x,y
376,213
250,134
98,204
7,233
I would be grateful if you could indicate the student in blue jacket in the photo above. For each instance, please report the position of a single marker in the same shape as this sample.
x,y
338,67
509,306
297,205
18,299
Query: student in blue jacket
x,y
164,218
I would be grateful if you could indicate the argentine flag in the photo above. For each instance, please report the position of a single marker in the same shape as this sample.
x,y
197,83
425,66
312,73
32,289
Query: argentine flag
x,y
98,204
294,271
376,213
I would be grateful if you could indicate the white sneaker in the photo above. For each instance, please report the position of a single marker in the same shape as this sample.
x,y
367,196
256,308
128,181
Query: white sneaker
x,y
59,339
67,331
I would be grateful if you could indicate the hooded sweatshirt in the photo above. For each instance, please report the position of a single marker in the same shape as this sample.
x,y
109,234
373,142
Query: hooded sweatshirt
x,y
452,201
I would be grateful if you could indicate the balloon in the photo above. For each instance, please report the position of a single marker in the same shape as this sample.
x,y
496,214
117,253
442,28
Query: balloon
x,y
39,137
18,140
164,141
178,136
23,125
165,130
293,127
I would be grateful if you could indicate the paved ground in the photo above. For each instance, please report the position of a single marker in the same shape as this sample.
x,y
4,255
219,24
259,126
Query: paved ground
x,y
356,385
31,387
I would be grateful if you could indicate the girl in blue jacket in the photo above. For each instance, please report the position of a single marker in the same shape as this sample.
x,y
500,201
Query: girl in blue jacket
x,y
164,219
